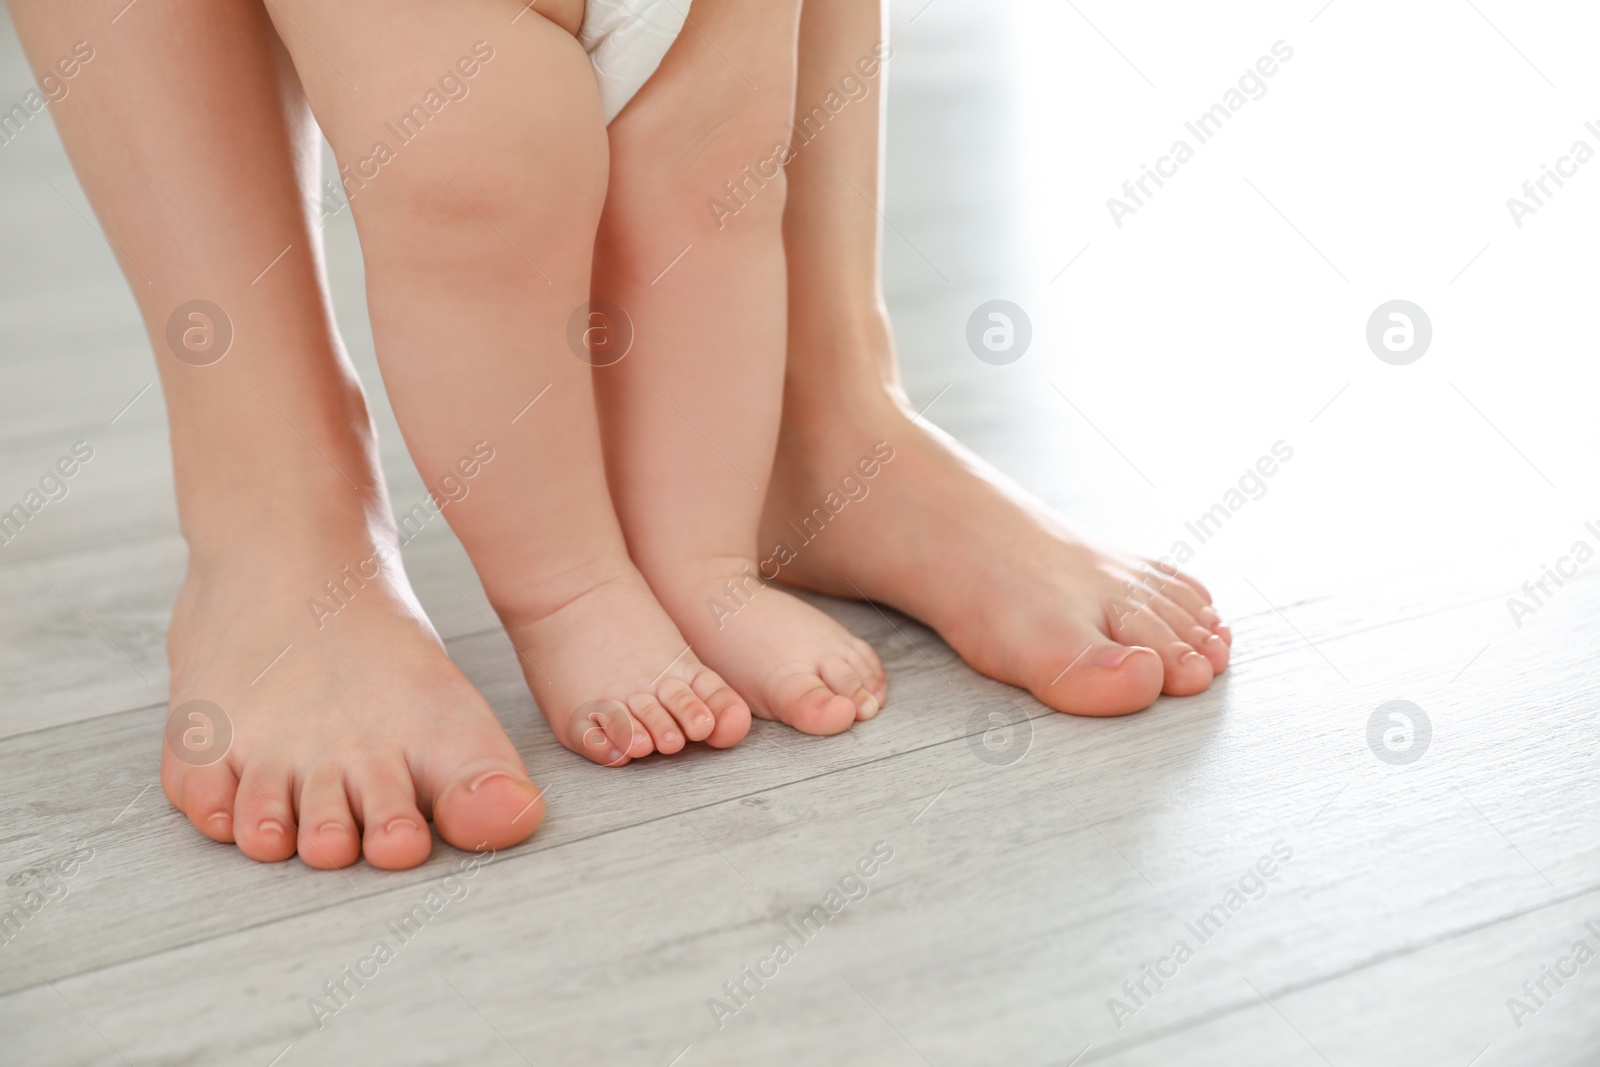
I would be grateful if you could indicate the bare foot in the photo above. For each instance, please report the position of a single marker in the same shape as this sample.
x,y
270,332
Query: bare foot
x,y
615,678
335,731
445,244
690,417
789,660
945,538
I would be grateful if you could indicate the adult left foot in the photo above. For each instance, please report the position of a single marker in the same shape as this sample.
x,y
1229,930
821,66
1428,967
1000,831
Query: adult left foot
x,y
945,538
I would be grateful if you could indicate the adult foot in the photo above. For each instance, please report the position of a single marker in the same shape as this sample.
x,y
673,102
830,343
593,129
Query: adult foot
x,y
315,711
791,662
613,676
867,502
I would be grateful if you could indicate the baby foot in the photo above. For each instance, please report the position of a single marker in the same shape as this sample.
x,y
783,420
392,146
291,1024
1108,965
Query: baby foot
x,y
947,539
790,661
332,726
615,678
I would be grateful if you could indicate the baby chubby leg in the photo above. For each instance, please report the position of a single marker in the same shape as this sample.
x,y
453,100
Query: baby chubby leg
x,y
690,414
480,155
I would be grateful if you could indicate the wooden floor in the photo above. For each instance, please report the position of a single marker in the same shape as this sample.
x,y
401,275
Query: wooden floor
x,y
1027,866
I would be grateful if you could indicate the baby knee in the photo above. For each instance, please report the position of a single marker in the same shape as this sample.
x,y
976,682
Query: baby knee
x,y
503,192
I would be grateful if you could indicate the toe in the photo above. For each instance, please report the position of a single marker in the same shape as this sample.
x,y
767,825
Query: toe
x,y
1185,670
1169,573
663,731
328,835
394,835
474,784
727,707
687,708
862,657
804,701
606,732
1091,674
496,807
1212,647
263,814
208,798
1207,616
1189,630
1189,595
848,682
640,743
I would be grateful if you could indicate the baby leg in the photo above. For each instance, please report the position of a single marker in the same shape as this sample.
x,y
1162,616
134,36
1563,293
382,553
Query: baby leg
x,y
690,416
477,156
192,138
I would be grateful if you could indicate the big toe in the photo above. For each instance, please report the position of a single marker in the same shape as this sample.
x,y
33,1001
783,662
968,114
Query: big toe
x,y
801,699
1101,677
488,805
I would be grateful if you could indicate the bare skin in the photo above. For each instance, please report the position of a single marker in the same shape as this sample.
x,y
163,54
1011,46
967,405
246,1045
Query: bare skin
x,y
1018,594
478,235
691,413
346,736
351,729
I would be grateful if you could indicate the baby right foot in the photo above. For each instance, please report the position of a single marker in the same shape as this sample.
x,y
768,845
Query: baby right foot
x,y
614,677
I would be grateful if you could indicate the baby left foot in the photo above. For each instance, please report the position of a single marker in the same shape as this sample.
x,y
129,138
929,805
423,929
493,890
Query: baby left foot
x,y
789,661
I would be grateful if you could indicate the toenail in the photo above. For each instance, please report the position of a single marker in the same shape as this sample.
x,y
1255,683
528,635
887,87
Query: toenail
x,y
1189,655
671,737
332,825
221,820
613,756
477,782
1215,639
703,719
398,823
1114,657
270,826
869,707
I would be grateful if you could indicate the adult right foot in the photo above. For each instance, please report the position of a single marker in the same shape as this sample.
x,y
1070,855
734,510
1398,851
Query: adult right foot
x,y
334,731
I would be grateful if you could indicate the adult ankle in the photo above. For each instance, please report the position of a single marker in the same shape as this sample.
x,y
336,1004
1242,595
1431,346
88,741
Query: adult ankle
x,y
842,367
283,517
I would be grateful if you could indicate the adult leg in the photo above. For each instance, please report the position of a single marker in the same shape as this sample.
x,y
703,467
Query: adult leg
x,y
944,537
191,137
691,414
479,152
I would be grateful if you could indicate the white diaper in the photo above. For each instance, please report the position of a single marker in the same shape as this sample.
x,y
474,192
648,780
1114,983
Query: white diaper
x,y
626,41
